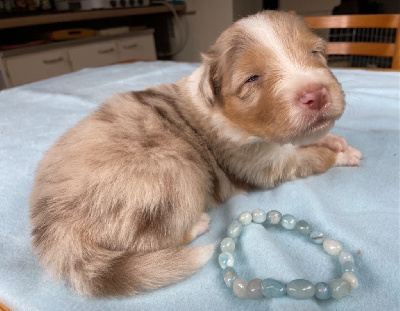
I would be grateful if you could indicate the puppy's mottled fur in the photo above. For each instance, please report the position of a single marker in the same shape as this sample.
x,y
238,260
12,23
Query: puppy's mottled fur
x,y
117,197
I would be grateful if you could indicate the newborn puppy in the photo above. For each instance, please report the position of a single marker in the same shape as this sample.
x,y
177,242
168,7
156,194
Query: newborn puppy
x,y
118,196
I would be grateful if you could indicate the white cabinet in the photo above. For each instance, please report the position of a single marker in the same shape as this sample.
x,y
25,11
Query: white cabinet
x,y
50,60
37,66
93,55
140,48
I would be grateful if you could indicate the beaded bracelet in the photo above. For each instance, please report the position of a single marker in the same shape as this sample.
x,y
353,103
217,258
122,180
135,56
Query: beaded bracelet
x,y
300,288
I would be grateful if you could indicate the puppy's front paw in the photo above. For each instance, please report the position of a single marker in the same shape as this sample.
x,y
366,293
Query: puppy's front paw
x,y
350,157
335,143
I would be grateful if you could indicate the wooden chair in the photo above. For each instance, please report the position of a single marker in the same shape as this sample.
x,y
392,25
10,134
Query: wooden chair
x,y
364,29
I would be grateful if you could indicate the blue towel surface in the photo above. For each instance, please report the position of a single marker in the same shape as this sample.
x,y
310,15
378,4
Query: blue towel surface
x,y
358,206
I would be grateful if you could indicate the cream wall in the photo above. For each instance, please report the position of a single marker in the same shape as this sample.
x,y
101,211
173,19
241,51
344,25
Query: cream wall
x,y
211,18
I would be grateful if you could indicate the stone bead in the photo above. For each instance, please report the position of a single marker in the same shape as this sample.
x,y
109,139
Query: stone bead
x,y
234,229
288,222
317,237
245,218
225,260
254,289
259,216
339,288
230,275
272,288
240,287
351,278
322,291
348,266
332,247
227,245
344,256
274,217
300,289
303,227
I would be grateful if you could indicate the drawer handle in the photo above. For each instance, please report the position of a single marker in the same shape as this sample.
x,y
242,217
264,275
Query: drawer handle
x,y
130,46
53,61
106,51
74,32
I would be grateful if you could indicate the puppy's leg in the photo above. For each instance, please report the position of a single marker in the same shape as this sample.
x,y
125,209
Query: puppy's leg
x,y
317,160
334,142
305,161
350,157
347,155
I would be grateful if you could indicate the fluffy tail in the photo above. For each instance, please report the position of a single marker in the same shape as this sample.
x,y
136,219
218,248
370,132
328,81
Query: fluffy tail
x,y
100,272
130,274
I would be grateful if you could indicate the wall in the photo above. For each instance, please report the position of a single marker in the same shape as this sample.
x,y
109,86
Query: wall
x,y
211,18
244,8
309,7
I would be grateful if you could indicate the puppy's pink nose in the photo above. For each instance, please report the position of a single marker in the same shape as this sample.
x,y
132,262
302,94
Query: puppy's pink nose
x,y
314,97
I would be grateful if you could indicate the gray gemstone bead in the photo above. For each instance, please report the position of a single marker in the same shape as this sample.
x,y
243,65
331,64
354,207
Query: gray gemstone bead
x,y
351,278
344,256
254,289
332,247
245,218
225,260
300,289
230,275
322,291
288,222
348,266
339,288
317,237
240,287
274,217
259,216
227,245
234,229
303,227
272,288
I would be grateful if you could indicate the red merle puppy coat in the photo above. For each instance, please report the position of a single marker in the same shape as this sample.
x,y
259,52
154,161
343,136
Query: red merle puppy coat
x,y
128,187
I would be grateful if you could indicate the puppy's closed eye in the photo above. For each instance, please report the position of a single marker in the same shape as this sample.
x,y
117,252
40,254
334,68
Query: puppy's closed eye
x,y
319,50
253,78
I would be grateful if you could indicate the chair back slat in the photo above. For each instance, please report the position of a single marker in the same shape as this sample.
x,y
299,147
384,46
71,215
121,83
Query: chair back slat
x,y
361,24
361,48
354,21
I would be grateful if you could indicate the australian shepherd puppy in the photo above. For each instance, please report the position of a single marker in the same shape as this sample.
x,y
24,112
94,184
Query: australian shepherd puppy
x,y
118,196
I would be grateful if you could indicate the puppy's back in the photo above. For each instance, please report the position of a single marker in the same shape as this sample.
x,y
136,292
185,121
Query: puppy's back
x,y
116,194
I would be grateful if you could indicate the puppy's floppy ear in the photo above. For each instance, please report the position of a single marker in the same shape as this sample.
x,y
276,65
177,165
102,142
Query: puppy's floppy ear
x,y
210,82
218,63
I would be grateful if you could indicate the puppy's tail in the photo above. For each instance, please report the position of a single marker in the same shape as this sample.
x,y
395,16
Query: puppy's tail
x,y
101,272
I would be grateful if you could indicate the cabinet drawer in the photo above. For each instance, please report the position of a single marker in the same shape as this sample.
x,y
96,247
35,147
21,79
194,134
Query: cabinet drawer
x,y
93,55
37,66
136,48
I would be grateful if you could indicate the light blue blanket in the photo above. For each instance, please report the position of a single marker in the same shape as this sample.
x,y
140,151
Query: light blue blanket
x,y
359,206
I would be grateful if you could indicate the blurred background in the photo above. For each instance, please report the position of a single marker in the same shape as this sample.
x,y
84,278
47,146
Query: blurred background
x,y
213,16
45,38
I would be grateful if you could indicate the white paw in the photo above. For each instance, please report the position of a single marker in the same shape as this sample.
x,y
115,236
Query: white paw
x,y
350,157
201,226
334,142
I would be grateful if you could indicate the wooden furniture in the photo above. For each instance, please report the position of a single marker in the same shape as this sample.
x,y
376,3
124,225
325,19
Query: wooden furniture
x,y
374,46
44,61
34,63
43,19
